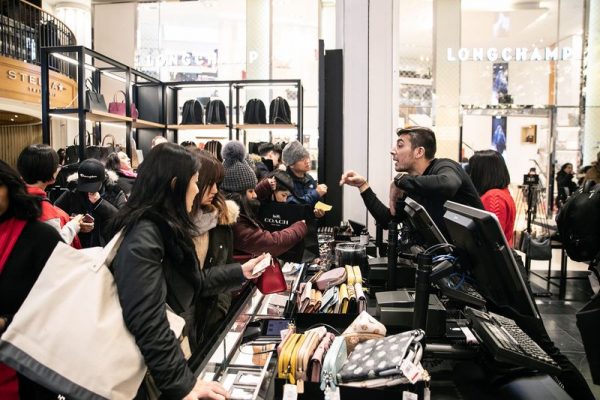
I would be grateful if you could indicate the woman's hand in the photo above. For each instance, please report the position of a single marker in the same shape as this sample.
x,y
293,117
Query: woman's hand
x,y
249,265
207,390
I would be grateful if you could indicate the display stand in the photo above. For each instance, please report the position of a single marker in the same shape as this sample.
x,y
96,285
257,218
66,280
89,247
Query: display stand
x,y
156,101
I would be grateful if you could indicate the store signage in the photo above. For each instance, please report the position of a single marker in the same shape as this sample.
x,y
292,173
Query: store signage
x,y
150,59
509,54
22,81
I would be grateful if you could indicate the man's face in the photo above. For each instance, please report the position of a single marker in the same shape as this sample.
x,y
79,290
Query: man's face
x,y
301,166
403,154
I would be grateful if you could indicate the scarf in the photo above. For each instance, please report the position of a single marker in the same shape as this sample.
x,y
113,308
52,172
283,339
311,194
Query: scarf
x,y
10,230
205,221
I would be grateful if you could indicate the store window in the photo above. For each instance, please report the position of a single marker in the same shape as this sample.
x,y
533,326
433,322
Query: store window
x,y
189,41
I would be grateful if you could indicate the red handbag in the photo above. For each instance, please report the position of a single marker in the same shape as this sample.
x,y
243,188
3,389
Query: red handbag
x,y
118,107
272,280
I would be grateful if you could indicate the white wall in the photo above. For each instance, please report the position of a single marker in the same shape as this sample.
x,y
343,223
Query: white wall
x,y
477,133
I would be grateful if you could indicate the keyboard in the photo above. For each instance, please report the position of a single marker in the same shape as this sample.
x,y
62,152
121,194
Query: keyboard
x,y
464,292
508,343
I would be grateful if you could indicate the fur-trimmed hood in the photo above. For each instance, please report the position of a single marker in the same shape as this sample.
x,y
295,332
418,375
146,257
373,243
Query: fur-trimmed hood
x,y
231,216
111,177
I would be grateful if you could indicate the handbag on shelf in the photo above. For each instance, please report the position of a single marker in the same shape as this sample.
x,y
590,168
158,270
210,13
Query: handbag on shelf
x,y
255,112
102,151
119,108
72,151
216,112
95,355
94,100
272,279
383,358
363,328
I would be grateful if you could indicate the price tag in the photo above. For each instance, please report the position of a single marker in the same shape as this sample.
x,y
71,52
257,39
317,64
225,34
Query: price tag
x,y
332,394
290,392
409,396
283,333
410,371
427,394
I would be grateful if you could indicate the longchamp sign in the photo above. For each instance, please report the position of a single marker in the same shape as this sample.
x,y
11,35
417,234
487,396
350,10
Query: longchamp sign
x,y
509,54
22,81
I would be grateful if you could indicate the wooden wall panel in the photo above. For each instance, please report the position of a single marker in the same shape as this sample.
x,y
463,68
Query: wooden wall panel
x,y
13,139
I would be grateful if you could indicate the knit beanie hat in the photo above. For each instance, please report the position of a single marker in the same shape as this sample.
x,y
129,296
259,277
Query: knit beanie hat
x,y
238,174
294,152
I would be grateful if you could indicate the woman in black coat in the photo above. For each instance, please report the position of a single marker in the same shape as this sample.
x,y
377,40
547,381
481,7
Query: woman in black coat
x,y
214,217
564,183
156,267
20,267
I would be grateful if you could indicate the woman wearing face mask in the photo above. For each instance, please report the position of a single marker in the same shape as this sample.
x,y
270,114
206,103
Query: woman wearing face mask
x,y
249,236
156,267
214,217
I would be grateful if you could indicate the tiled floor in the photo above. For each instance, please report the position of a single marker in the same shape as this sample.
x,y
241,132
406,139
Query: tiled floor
x,y
559,316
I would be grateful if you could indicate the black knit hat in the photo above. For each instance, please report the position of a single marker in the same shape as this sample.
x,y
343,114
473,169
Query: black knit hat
x,y
239,176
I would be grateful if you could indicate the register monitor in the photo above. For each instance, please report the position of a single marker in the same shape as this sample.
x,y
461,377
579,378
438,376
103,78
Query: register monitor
x,y
483,250
423,226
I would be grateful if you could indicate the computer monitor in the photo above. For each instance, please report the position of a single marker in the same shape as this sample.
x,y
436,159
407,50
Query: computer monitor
x,y
425,230
484,251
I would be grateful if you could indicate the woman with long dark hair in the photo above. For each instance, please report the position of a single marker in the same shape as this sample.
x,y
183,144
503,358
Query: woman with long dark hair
x,y
156,268
565,184
20,266
490,177
214,217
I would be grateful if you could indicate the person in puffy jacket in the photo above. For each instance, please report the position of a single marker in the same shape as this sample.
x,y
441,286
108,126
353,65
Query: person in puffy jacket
x,y
156,267
249,236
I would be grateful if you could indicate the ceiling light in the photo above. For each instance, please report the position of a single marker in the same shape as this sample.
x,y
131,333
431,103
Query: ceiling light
x,y
72,61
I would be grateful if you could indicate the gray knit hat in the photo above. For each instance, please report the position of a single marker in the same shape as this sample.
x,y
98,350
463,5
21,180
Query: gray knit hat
x,y
294,152
238,174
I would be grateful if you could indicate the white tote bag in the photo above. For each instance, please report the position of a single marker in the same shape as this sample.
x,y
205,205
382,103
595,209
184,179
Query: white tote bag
x,y
69,335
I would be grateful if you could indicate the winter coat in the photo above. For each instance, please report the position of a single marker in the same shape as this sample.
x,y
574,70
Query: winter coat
x,y
56,218
249,237
211,312
305,190
154,268
125,183
76,202
565,186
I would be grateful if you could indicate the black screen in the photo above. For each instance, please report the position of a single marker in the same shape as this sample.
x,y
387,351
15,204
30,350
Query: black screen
x,y
422,225
483,250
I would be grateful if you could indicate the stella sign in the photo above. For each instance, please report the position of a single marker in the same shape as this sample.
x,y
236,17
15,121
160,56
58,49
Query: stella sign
x,y
494,54
22,81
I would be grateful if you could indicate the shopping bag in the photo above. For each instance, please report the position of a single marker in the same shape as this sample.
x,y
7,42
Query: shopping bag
x,y
69,335
276,216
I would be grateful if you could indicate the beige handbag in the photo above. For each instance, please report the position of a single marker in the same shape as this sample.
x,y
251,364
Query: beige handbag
x,y
69,335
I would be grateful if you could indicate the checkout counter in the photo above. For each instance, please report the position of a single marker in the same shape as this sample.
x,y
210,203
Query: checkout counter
x,y
460,355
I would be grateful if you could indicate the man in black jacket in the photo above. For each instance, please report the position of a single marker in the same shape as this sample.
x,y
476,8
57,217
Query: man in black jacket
x,y
428,180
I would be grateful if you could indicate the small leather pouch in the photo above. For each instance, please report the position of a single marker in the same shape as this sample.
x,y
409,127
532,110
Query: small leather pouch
x,y
312,340
330,299
363,328
331,278
350,275
383,357
294,360
357,274
361,299
316,361
305,297
334,359
351,300
343,296
283,361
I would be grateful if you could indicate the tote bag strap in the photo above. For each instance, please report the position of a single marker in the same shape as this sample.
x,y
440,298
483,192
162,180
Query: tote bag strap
x,y
108,253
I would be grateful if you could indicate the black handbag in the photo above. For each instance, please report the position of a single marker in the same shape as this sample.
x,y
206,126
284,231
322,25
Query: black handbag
x,y
72,154
101,152
94,101
536,248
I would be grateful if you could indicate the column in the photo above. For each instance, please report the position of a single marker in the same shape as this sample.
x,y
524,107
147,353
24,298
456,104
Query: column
x,y
591,133
258,47
446,75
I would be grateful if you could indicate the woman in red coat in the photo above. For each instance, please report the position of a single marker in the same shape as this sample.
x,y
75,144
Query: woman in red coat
x,y
491,179
249,237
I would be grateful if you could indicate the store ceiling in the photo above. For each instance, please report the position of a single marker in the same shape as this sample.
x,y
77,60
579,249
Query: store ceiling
x,y
11,118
